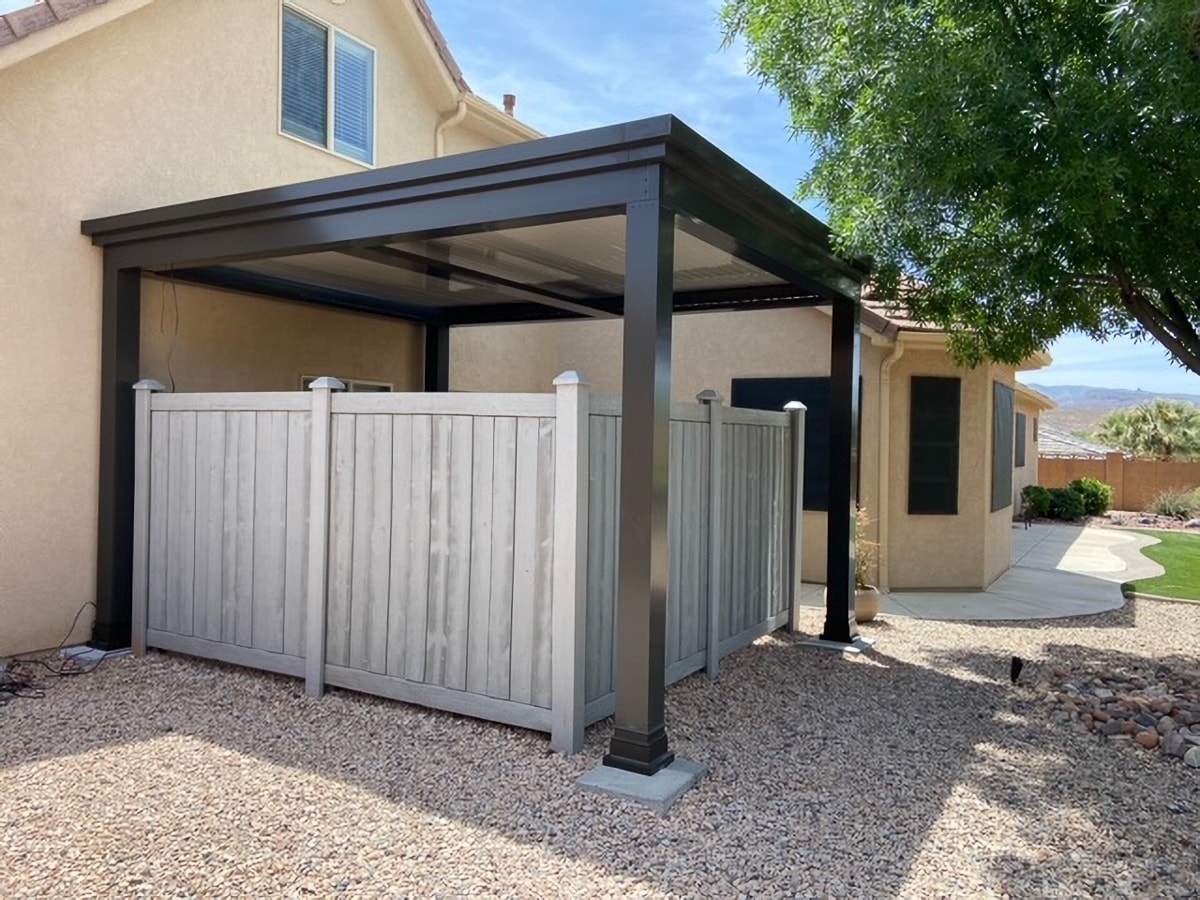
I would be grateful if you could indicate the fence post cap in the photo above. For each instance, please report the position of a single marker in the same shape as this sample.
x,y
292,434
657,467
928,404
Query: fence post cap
x,y
327,382
709,396
794,405
149,384
570,377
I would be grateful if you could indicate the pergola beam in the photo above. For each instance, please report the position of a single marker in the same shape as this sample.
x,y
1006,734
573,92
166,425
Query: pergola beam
x,y
414,262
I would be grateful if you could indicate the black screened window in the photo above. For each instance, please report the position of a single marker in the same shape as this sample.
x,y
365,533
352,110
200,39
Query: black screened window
x,y
1002,446
1020,443
933,446
815,394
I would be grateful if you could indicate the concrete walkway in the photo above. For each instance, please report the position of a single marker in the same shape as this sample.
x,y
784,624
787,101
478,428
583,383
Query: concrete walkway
x,y
1058,571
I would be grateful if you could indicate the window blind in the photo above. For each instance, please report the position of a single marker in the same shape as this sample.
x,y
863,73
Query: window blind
x,y
354,99
305,79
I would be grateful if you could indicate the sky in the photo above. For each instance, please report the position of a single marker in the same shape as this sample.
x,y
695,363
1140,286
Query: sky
x,y
576,65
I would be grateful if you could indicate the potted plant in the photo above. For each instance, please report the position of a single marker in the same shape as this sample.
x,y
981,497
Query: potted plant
x,y
866,555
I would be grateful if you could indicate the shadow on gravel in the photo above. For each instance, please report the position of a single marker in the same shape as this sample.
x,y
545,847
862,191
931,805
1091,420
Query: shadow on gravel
x,y
826,774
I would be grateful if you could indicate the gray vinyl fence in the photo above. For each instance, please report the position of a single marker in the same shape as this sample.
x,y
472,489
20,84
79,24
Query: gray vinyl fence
x,y
457,551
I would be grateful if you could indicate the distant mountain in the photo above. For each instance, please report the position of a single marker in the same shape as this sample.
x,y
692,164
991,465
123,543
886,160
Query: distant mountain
x,y
1072,395
1080,407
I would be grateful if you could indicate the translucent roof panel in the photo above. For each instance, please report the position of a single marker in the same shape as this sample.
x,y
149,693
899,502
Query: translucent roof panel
x,y
573,268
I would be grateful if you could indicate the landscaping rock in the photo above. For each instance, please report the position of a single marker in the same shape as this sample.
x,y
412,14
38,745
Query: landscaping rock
x,y
1192,758
1174,744
1156,710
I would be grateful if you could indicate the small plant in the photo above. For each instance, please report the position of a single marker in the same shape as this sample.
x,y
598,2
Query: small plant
x,y
1177,503
1097,496
1066,503
1038,499
866,553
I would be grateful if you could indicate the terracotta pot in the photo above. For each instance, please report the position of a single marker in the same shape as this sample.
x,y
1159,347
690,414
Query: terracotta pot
x,y
866,603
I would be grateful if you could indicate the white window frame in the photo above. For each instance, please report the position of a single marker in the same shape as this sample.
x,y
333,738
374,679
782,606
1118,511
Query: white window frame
x,y
351,383
331,71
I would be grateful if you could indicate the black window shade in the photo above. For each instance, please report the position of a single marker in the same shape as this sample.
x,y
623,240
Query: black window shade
x,y
814,393
1020,442
933,446
1002,445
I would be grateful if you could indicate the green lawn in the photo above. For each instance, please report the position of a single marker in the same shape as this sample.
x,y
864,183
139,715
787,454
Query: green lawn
x,y
1179,554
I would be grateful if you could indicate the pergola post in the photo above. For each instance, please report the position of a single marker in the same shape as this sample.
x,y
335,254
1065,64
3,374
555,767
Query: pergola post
x,y
120,362
843,472
639,742
437,358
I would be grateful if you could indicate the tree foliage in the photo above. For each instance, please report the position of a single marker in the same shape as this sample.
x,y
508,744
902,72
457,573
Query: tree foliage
x,y
1017,168
1163,429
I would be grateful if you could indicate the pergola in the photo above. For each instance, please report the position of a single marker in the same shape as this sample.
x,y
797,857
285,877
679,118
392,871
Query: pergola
x,y
639,220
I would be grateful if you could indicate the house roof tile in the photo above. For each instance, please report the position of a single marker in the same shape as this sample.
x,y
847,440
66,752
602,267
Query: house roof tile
x,y
1052,442
42,14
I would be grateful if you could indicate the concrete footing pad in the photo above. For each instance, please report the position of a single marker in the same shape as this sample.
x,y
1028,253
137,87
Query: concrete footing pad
x,y
859,645
658,791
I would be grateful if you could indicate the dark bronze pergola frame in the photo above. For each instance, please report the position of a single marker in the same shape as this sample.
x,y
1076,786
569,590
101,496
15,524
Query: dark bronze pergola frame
x,y
656,172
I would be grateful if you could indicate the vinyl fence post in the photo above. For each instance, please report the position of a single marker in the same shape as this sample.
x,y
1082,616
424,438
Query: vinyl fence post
x,y
568,641
318,535
716,522
796,411
146,388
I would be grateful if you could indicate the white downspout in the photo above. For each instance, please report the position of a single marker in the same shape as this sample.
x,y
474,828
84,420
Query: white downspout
x,y
447,122
885,463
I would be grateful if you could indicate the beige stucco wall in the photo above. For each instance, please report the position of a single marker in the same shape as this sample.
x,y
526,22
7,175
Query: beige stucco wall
x,y
999,526
709,350
237,342
966,550
175,101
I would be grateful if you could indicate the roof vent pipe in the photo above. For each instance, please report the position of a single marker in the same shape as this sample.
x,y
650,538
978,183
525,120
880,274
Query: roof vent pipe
x,y
510,103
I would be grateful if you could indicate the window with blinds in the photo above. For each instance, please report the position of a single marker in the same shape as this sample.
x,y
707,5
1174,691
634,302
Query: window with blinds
x,y
328,92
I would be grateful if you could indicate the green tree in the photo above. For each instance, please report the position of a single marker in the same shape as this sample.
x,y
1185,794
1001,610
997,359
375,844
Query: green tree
x,y
1164,429
1017,168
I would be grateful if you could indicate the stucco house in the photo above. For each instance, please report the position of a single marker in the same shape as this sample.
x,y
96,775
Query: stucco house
x,y
264,93
944,451
113,106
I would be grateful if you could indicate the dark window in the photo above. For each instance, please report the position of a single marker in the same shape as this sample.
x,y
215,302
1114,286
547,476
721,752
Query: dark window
x,y
1021,438
1002,446
305,77
814,393
313,57
933,446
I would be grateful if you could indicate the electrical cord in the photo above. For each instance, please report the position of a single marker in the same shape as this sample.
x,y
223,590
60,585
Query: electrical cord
x,y
17,680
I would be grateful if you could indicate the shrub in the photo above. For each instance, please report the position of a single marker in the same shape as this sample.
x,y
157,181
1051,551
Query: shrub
x,y
1066,503
1038,499
1097,496
1177,503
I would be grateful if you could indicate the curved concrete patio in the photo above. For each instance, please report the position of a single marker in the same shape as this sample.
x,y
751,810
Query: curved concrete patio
x,y
1058,571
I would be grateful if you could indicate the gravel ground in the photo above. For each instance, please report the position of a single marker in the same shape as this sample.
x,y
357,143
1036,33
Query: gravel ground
x,y
916,771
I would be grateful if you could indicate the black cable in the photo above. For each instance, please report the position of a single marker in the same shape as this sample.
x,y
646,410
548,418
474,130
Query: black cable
x,y
16,682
